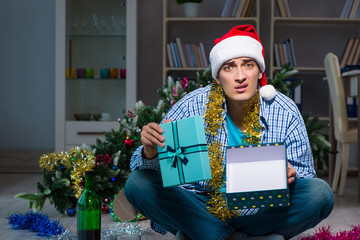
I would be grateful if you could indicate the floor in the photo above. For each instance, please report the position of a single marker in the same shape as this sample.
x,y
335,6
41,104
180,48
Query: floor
x,y
345,214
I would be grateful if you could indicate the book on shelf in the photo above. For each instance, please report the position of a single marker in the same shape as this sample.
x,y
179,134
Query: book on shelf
x,y
240,8
289,53
354,8
346,9
224,8
197,56
351,9
181,51
169,54
276,55
200,56
356,58
243,12
192,52
281,54
175,54
248,8
188,57
292,49
233,10
237,8
203,54
284,53
281,7
358,13
182,55
347,52
287,8
228,6
354,47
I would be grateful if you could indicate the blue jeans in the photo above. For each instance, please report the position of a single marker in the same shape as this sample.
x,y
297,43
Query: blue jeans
x,y
178,209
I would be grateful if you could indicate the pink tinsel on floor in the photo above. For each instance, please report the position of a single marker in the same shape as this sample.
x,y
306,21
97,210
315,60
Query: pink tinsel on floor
x,y
324,233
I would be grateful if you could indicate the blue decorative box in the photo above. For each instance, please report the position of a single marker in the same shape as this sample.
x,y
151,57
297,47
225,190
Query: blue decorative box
x,y
184,158
256,176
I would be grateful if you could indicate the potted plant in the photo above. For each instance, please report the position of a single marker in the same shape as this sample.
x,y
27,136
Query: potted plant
x,y
191,7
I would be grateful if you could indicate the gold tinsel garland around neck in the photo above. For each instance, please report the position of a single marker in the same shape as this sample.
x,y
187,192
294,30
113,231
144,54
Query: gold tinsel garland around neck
x,y
214,119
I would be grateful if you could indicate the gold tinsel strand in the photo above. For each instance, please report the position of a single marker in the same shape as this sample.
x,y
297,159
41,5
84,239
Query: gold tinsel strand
x,y
217,205
251,124
214,112
83,160
51,160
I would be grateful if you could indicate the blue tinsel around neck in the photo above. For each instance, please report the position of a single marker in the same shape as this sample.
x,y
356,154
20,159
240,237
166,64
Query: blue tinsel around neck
x,y
36,222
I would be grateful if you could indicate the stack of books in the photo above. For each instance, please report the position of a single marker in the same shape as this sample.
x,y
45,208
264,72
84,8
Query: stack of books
x,y
351,54
284,9
284,53
186,55
237,8
351,9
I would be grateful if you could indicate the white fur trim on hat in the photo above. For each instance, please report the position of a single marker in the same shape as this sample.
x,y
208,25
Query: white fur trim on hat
x,y
234,47
267,92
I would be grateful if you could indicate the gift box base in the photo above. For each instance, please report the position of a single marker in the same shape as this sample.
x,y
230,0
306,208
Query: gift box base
x,y
258,199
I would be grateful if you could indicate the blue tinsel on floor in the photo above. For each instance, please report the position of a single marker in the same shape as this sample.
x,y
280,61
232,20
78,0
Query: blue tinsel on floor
x,y
36,222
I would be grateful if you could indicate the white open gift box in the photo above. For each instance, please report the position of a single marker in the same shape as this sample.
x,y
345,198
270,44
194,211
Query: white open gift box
x,y
256,176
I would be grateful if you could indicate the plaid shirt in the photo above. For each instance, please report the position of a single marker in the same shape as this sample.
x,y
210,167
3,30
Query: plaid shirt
x,y
280,119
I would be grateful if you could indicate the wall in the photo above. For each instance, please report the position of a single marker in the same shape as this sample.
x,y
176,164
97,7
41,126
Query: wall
x,y
149,49
27,63
27,74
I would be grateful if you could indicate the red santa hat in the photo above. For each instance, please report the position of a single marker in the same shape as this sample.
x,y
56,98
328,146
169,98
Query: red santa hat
x,y
241,41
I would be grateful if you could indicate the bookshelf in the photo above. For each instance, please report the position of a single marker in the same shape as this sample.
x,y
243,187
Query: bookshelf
x,y
315,30
202,29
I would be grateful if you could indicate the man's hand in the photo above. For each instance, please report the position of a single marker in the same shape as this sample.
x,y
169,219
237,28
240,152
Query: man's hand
x,y
151,137
291,173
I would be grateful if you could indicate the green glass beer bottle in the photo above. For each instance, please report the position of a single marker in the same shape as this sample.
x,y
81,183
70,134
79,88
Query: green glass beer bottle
x,y
89,211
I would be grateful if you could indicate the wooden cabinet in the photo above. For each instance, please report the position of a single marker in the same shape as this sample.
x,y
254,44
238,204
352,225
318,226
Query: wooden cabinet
x,y
95,68
204,28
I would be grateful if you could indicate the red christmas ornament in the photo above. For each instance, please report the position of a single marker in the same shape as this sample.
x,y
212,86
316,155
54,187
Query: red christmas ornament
x,y
129,142
105,208
103,159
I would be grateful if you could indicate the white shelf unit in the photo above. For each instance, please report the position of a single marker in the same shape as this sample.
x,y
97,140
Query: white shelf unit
x,y
100,39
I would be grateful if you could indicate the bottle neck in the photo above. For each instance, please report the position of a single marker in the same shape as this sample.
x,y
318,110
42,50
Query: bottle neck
x,y
89,182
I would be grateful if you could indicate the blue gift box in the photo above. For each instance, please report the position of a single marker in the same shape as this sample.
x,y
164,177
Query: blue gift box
x,y
256,176
184,158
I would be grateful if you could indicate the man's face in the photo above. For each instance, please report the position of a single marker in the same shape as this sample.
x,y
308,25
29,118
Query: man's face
x,y
239,78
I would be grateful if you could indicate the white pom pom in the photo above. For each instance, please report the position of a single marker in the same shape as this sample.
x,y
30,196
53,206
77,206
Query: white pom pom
x,y
267,92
